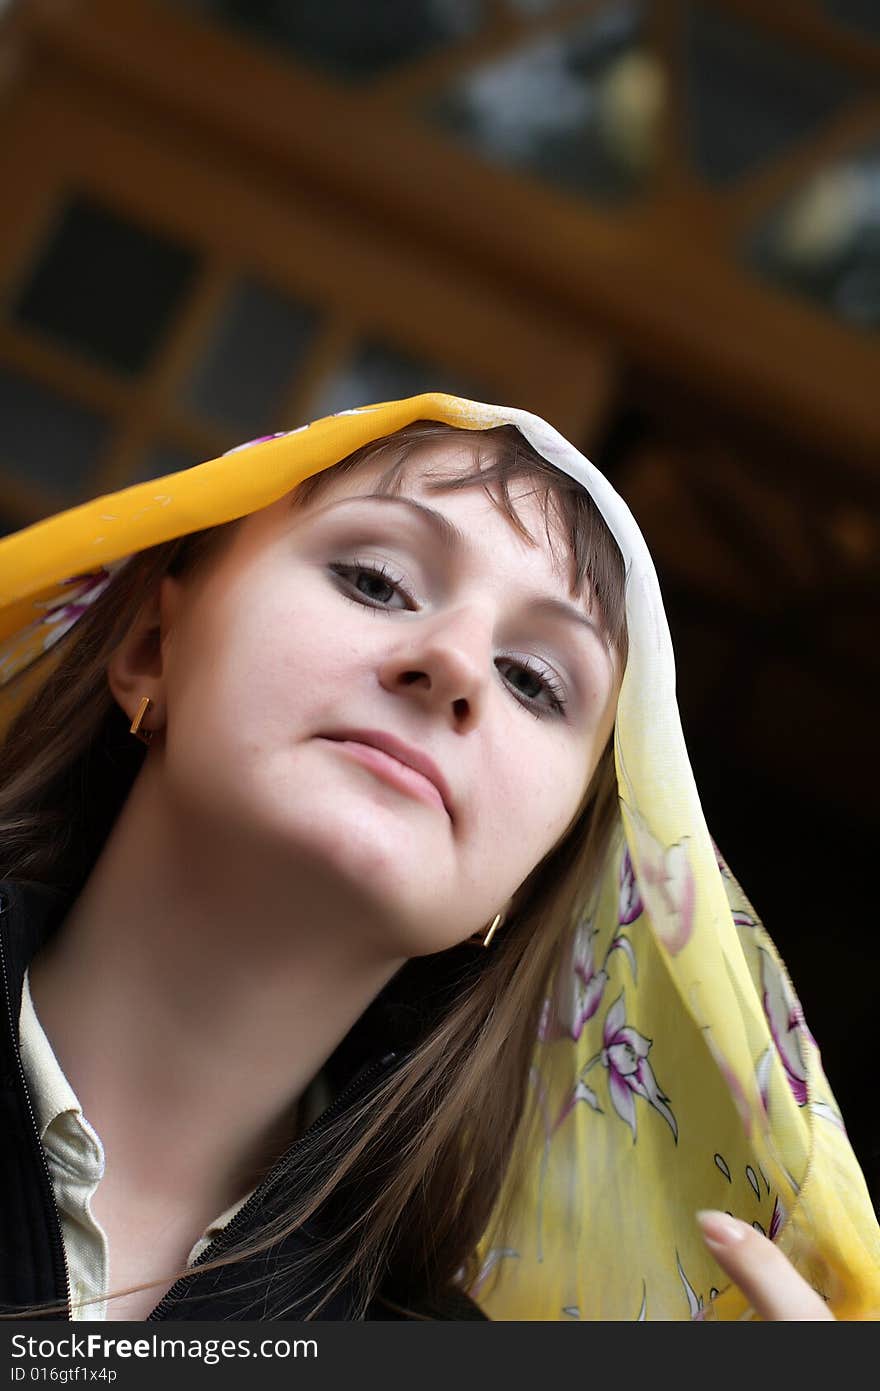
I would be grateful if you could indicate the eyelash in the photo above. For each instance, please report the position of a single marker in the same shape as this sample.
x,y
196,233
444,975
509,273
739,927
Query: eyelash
x,y
382,572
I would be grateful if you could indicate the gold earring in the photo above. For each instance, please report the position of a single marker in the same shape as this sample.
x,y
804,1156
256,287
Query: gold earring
x,y
496,923
145,735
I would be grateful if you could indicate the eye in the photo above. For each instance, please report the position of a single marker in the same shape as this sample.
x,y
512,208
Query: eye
x,y
372,583
546,683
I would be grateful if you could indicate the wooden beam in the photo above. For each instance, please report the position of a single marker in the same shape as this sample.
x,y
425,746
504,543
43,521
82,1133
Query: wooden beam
x,y
506,31
69,375
176,182
640,279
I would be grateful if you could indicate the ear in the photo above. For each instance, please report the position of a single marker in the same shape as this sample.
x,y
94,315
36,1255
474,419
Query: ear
x,y
138,667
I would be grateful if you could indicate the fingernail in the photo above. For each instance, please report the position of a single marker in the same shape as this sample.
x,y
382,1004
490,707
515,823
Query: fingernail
x,y
721,1228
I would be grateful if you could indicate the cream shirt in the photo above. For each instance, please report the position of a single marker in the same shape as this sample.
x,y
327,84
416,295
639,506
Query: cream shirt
x,y
76,1161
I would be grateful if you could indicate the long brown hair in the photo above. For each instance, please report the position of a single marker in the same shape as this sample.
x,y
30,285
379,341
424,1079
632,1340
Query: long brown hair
x,y
424,1154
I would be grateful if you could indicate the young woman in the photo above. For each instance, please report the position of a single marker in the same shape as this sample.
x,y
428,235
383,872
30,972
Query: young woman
x,y
365,951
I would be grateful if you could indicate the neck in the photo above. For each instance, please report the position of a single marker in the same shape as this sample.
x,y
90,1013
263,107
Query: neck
x,y
209,984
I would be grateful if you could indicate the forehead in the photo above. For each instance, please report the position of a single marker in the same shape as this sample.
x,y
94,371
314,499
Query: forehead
x,y
421,474
408,471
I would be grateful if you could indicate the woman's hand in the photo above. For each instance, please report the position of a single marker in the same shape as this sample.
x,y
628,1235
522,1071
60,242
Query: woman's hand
x,y
766,1277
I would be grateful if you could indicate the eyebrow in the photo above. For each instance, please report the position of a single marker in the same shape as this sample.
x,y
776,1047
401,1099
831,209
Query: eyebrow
x,y
453,539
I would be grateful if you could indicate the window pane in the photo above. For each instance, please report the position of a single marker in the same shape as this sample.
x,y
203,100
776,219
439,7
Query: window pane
x,y
348,38
824,241
47,440
105,286
259,343
750,96
378,373
578,107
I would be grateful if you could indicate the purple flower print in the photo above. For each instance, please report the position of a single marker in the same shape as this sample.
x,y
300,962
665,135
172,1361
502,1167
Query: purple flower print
x,y
583,991
667,886
87,588
581,1092
631,905
787,1024
743,919
588,984
720,860
776,1218
625,1055
60,614
583,986
622,943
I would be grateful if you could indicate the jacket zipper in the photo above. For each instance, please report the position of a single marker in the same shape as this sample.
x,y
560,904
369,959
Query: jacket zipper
x,y
58,1251
173,1295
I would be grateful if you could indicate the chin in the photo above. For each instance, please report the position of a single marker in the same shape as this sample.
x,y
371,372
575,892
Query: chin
x,y
369,851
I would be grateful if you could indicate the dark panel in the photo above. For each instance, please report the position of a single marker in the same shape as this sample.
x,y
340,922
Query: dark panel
x,y
46,439
347,38
750,96
104,286
260,340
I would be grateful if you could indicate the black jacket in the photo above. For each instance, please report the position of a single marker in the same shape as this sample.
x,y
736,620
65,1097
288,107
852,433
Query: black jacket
x,y
33,1267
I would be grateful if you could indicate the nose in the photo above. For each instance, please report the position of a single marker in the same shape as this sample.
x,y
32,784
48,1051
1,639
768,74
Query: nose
x,y
444,661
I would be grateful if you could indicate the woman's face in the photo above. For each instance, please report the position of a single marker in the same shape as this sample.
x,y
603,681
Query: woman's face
x,y
368,617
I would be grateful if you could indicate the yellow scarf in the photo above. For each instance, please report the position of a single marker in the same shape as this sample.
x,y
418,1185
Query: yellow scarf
x,y
673,1067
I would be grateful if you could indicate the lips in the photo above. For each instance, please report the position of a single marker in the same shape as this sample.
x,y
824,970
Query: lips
x,y
407,754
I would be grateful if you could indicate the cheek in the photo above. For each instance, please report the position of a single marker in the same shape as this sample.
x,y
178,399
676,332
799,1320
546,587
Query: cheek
x,y
254,671
525,807
222,670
